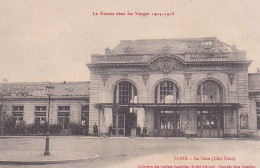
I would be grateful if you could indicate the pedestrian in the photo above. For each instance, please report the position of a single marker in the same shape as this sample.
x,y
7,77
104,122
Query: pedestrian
x,y
138,130
95,130
144,130
110,130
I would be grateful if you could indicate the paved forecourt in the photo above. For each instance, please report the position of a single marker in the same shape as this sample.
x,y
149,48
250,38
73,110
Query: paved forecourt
x,y
79,151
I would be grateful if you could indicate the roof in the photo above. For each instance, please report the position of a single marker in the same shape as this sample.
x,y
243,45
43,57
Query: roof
x,y
38,89
171,105
174,46
254,81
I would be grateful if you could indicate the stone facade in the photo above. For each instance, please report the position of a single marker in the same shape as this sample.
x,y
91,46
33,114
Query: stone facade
x,y
29,102
185,62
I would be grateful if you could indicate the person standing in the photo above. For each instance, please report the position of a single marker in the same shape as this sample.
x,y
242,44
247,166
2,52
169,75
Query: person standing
x,y
138,130
144,130
110,130
95,130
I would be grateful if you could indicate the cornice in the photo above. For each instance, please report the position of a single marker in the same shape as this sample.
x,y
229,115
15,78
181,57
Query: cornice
x,y
35,98
185,63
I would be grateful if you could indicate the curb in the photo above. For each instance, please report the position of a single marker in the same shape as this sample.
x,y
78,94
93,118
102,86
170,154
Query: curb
x,y
114,137
44,162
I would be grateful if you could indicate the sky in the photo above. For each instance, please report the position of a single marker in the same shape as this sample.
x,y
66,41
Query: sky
x,y
52,40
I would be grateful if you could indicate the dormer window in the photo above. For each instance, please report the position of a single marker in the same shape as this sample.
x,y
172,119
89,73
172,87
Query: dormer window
x,y
128,49
208,44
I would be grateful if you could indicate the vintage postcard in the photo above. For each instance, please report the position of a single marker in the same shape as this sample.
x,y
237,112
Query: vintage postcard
x,y
130,84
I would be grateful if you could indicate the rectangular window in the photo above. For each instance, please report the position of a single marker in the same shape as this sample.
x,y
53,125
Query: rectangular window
x,y
155,121
169,120
64,116
114,121
63,108
243,121
258,121
198,122
85,115
40,120
258,114
258,105
85,108
40,108
17,114
40,115
17,108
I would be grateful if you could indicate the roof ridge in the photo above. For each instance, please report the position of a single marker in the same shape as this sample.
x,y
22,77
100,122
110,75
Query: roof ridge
x,y
174,39
42,83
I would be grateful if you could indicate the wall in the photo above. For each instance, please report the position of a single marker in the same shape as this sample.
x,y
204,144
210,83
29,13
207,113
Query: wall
x,y
29,108
235,90
94,91
252,108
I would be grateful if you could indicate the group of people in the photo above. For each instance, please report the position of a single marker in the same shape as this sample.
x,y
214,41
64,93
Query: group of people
x,y
95,130
110,130
138,131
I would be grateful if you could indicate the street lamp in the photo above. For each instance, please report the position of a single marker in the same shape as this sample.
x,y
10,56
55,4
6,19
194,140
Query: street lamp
x,y
49,92
2,118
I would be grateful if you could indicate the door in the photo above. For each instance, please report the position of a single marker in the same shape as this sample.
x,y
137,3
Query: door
x,y
119,124
210,124
168,123
130,124
124,122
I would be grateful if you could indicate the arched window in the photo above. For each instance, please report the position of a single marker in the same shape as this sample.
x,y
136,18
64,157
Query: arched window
x,y
125,92
209,91
166,92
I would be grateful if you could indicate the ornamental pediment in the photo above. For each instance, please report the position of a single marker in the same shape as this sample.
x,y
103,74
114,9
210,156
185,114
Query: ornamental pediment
x,y
165,64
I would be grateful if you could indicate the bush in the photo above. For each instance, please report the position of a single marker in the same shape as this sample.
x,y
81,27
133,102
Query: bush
x,y
20,128
9,125
76,129
39,129
36,128
55,129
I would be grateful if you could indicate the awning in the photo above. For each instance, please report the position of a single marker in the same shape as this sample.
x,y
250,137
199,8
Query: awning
x,y
171,105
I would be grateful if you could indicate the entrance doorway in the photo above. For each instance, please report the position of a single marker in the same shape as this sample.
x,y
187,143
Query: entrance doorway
x,y
167,123
210,124
124,122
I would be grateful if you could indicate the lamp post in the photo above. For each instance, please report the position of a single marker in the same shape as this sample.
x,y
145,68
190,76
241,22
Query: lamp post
x,y
2,118
49,92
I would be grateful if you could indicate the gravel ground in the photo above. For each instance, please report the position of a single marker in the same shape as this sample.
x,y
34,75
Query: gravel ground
x,y
138,152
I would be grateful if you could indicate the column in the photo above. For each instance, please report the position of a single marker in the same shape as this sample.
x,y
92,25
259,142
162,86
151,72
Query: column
x,y
141,117
108,117
237,122
218,123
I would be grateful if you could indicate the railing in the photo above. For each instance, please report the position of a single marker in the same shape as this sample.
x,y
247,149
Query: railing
x,y
188,57
207,57
117,58
201,57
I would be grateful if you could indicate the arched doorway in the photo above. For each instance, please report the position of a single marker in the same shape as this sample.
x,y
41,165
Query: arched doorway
x,y
124,118
210,121
166,119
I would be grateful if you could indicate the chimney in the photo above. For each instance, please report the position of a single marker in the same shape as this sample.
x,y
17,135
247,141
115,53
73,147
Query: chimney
x,y
233,47
107,51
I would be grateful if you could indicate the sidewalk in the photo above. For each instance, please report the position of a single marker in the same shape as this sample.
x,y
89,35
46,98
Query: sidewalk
x,y
122,137
37,157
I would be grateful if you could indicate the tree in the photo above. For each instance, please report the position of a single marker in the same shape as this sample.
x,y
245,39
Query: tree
x,y
2,118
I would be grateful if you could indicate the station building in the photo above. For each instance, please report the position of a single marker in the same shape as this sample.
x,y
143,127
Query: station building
x,y
29,102
175,87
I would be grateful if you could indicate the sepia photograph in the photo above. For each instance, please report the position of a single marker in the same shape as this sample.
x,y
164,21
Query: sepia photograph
x,y
130,84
